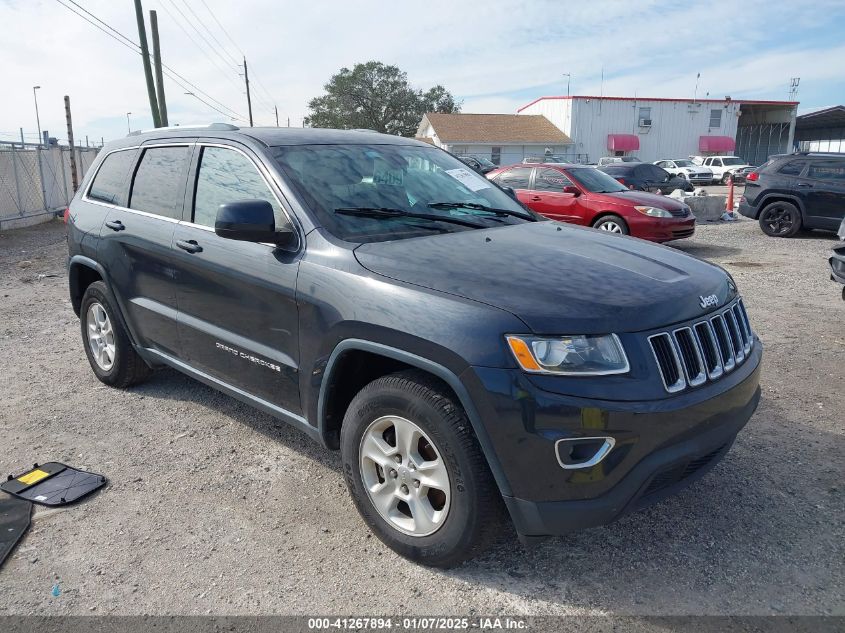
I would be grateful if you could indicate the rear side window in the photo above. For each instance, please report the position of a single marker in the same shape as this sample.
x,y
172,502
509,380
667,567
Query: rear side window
x,y
793,168
827,170
226,175
516,178
159,183
111,177
550,180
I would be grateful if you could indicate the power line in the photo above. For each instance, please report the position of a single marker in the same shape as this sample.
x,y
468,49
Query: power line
x,y
171,74
137,46
222,48
204,39
224,71
238,48
190,23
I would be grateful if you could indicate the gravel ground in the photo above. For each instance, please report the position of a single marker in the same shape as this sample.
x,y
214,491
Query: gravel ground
x,y
214,508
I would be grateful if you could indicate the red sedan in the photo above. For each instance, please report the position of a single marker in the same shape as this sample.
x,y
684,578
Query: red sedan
x,y
587,196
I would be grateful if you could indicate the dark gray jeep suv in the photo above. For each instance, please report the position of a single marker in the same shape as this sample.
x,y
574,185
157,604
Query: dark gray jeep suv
x,y
470,360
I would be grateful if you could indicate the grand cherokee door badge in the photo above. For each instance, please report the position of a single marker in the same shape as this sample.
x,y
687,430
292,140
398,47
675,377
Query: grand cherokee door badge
x,y
250,357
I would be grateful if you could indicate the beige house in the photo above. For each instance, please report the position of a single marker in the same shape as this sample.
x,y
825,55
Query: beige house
x,y
505,139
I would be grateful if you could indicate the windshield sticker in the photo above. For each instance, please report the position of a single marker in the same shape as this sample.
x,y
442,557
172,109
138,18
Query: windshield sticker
x,y
383,175
468,179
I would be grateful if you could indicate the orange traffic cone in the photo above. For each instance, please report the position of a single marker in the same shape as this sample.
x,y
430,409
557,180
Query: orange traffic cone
x,y
729,203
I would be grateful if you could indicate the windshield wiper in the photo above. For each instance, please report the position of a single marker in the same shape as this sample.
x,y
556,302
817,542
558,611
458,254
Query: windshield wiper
x,y
387,212
481,207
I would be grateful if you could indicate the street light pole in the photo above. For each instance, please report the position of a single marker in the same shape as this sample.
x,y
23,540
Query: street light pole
x,y
128,127
37,117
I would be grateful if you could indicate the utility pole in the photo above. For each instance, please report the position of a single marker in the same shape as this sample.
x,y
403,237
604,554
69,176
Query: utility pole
x,y
288,123
276,109
248,99
568,77
162,104
145,57
128,124
37,118
73,177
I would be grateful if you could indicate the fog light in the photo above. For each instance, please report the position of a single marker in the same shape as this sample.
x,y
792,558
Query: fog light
x,y
582,452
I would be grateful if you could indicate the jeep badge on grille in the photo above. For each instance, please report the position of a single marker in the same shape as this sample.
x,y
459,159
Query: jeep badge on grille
x,y
708,301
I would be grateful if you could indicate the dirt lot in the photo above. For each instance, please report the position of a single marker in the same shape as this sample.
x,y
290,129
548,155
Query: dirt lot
x,y
214,508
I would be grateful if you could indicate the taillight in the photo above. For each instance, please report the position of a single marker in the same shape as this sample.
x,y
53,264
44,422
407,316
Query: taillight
x,y
66,214
622,180
753,176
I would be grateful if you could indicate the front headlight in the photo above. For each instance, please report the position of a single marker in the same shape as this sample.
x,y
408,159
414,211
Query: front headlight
x,y
654,212
590,355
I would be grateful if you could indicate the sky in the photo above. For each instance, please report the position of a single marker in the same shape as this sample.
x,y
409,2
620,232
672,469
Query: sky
x,y
493,55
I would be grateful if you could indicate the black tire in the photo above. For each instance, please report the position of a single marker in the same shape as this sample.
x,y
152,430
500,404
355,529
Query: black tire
x,y
780,219
475,507
725,178
127,368
606,223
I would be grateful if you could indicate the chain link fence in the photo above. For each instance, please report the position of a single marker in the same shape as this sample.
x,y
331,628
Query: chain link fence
x,y
35,180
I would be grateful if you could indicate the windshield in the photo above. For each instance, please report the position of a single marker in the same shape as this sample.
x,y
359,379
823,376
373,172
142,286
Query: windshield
x,y
484,161
596,181
370,193
684,163
630,159
732,160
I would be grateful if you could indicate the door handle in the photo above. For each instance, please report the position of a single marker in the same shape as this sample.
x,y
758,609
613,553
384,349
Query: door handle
x,y
536,198
189,245
803,184
115,225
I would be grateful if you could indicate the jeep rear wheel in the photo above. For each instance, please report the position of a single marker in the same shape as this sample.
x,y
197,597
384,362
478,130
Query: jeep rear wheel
x,y
780,219
110,353
415,471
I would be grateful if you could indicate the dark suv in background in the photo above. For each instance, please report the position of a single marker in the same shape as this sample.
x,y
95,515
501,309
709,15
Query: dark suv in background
x,y
795,191
468,357
646,177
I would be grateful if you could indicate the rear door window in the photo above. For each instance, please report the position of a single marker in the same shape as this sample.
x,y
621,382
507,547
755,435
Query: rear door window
x,y
793,168
108,184
550,180
159,183
832,170
516,178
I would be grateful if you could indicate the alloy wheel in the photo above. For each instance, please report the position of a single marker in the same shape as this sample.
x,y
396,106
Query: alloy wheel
x,y
100,336
405,475
611,226
779,220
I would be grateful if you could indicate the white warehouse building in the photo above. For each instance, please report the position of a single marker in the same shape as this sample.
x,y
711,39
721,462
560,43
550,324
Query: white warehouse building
x,y
655,128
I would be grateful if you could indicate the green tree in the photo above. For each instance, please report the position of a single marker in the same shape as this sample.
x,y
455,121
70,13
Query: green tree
x,y
377,97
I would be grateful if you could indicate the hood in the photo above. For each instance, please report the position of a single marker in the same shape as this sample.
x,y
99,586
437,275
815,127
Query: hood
x,y
643,198
557,278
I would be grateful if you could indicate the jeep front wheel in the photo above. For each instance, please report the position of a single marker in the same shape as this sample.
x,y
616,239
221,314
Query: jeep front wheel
x,y
416,472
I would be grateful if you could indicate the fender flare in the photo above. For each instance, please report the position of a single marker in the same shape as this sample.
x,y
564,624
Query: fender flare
x,y
81,260
75,262
767,199
436,369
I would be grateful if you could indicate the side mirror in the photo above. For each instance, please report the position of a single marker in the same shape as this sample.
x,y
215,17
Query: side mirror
x,y
575,191
250,221
510,192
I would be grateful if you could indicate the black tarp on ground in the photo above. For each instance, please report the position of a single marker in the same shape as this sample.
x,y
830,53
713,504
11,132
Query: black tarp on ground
x,y
53,484
14,522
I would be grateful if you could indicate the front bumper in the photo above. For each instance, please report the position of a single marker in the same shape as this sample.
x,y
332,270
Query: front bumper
x,y
660,446
661,229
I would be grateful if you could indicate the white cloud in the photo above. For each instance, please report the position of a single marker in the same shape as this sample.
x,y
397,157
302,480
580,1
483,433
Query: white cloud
x,y
496,54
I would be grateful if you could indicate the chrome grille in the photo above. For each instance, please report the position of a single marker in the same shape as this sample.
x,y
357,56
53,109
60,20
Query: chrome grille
x,y
705,350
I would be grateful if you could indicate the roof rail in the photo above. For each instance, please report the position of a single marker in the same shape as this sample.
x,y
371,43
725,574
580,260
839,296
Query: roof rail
x,y
220,127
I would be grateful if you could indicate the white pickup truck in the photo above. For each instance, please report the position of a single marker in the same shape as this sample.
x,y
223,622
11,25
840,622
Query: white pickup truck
x,y
721,166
